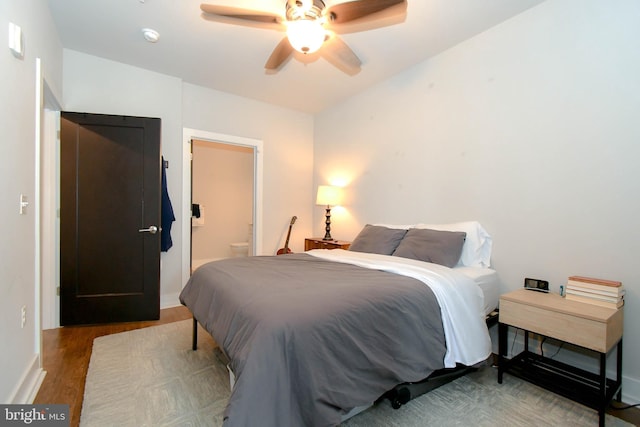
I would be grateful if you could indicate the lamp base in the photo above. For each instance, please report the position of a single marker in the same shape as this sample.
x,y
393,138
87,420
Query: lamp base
x,y
327,235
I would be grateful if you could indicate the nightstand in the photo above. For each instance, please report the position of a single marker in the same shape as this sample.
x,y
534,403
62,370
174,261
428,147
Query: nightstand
x,y
318,243
586,325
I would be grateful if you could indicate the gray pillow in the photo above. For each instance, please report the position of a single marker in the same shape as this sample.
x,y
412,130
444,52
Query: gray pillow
x,y
375,239
438,247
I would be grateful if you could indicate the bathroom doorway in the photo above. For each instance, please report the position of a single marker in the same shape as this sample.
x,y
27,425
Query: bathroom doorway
x,y
257,146
222,197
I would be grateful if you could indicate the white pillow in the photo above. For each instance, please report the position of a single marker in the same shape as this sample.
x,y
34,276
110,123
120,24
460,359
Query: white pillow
x,y
476,251
396,226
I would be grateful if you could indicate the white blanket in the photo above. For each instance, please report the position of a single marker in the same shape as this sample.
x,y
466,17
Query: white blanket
x,y
461,300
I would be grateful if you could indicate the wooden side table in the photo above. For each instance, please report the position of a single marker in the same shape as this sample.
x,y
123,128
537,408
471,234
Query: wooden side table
x,y
586,325
318,243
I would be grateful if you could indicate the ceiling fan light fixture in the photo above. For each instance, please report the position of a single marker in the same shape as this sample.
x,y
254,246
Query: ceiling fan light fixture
x,y
306,35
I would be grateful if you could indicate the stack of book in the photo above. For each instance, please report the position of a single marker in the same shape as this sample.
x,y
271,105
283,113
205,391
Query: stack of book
x,y
605,293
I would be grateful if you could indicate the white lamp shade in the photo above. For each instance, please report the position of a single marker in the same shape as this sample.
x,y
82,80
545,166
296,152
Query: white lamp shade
x,y
329,195
305,35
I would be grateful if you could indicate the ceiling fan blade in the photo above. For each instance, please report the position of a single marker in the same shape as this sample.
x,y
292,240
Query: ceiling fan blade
x,y
358,9
336,51
280,54
393,15
237,15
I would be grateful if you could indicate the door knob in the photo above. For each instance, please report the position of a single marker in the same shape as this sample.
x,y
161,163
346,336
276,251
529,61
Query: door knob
x,y
152,229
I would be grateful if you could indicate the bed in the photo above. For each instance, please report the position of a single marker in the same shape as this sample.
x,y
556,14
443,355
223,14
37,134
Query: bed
x,y
311,336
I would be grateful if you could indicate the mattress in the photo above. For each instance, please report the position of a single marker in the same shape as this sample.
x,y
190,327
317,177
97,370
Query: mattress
x,y
487,280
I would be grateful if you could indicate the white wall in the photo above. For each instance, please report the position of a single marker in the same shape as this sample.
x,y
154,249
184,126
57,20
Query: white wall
x,y
288,156
19,285
531,128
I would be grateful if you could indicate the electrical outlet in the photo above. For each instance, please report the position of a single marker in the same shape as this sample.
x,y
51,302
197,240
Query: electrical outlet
x,y
23,319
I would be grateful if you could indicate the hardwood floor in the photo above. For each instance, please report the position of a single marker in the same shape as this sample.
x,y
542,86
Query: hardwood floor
x,y
66,354
67,351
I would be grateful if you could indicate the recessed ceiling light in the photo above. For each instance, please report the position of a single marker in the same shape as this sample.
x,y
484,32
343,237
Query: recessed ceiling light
x,y
150,35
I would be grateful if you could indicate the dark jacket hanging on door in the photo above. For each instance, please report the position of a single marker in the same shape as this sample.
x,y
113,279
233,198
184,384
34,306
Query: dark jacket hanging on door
x,y
167,213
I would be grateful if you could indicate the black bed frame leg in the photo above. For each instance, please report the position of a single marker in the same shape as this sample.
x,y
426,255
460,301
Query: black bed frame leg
x,y
194,344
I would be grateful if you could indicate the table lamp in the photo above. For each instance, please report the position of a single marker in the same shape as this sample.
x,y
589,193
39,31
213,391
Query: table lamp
x,y
328,195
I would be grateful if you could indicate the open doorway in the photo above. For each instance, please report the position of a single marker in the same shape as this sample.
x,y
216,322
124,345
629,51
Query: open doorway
x,y
254,235
222,201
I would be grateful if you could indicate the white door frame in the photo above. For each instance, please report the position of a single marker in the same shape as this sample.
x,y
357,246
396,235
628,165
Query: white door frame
x,y
48,200
50,226
190,134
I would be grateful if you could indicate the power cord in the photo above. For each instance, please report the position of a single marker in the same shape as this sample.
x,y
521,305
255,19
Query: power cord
x,y
554,354
557,351
621,407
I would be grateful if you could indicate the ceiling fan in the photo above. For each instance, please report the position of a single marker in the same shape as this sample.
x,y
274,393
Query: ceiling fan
x,y
311,27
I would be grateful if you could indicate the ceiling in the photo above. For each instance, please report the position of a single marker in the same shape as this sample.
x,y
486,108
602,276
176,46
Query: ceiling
x,y
231,58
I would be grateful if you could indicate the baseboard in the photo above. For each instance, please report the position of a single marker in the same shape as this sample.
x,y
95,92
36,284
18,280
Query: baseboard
x,y
27,389
630,389
170,300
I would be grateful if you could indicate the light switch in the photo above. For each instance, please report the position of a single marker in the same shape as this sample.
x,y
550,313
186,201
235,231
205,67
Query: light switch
x,y
23,204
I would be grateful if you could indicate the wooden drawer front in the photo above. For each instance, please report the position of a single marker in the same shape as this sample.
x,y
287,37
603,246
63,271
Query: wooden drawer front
x,y
324,244
592,334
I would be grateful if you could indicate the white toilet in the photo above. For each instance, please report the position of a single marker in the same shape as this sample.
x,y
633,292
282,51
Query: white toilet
x,y
240,249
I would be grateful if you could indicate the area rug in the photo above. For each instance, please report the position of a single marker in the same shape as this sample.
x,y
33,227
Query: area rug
x,y
151,377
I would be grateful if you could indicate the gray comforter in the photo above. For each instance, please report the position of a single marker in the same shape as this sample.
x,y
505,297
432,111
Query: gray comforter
x,y
309,339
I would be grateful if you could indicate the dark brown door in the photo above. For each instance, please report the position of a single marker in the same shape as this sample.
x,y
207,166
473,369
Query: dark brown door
x,y
110,178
